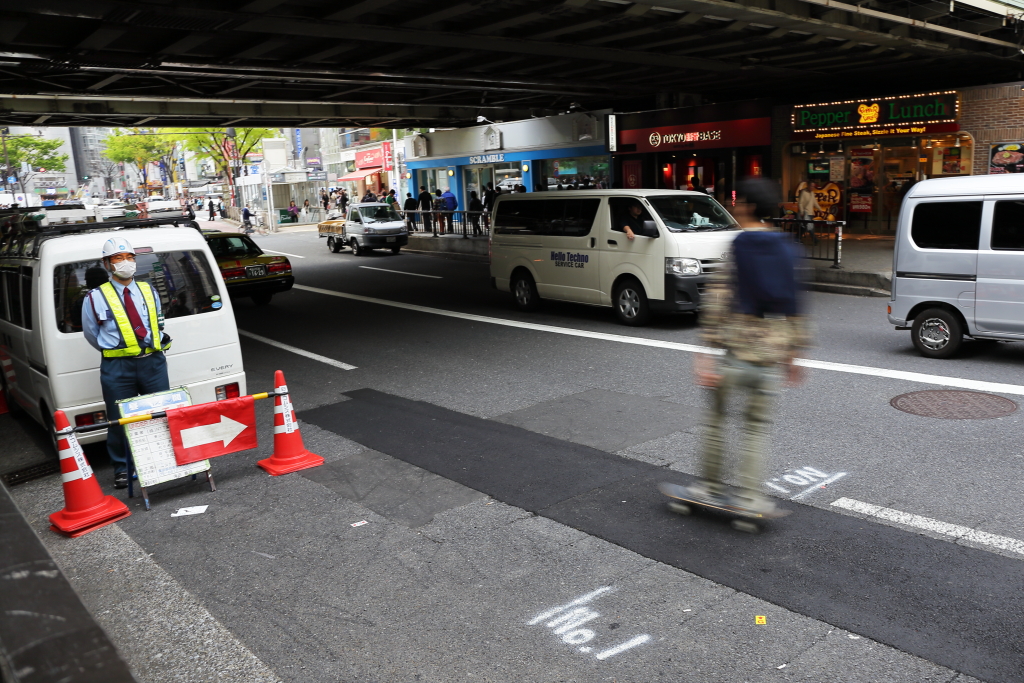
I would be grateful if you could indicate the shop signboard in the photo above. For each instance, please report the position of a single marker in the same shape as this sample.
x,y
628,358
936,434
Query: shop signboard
x,y
313,161
861,203
386,157
1007,157
836,169
316,175
369,158
708,135
925,113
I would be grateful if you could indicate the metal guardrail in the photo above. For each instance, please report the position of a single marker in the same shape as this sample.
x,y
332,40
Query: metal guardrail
x,y
46,633
465,223
821,240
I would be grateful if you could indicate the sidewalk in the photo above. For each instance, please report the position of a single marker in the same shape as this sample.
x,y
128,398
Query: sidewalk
x,y
866,267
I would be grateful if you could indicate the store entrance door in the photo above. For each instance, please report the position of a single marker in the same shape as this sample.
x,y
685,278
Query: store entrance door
x,y
475,179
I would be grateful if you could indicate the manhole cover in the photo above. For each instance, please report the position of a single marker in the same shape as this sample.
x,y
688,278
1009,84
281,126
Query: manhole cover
x,y
949,404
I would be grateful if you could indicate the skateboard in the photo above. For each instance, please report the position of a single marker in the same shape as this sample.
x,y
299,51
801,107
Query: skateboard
x,y
684,500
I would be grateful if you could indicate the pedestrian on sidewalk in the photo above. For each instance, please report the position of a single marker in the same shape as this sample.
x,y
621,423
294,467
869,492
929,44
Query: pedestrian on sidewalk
x,y
807,205
211,210
392,199
369,197
410,211
440,206
247,220
307,211
476,208
343,201
752,310
293,211
122,320
425,205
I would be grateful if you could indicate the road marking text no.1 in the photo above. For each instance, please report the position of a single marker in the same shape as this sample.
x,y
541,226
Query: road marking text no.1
x,y
566,619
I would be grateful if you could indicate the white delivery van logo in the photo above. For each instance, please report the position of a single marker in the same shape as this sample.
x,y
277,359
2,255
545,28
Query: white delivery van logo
x,y
562,259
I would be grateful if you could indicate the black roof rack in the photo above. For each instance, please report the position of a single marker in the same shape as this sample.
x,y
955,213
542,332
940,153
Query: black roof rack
x,y
26,242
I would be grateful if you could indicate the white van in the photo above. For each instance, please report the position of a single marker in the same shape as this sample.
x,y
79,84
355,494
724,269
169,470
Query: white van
x,y
44,275
572,246
958,265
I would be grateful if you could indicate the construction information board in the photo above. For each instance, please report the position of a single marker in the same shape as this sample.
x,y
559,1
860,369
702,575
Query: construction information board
x,y
150,441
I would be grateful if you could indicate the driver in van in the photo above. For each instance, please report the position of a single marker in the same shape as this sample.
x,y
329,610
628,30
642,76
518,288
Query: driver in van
x,y
633,222
122,320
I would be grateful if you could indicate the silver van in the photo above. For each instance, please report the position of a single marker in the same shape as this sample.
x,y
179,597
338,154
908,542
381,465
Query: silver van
x,y
958,265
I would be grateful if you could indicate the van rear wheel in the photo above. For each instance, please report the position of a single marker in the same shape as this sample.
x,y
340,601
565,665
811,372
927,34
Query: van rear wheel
x,y
630,303
937,333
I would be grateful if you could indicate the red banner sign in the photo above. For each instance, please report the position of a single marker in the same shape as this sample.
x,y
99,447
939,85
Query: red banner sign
x,y
386,158
210,429
369,158
737,133
861,203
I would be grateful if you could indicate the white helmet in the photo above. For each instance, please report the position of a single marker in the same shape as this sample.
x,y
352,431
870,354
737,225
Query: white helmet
x,y
117,245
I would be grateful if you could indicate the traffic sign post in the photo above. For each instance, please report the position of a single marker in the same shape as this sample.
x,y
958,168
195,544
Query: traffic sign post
x,y
150,444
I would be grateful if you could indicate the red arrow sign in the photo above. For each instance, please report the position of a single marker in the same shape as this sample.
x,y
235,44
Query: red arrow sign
x,y
211,429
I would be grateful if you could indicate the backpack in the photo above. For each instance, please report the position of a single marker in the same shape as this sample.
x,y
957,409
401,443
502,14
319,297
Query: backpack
x,y
765,274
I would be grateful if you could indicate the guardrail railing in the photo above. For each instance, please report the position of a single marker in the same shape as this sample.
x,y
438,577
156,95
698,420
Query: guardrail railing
x,y
465,223
821,240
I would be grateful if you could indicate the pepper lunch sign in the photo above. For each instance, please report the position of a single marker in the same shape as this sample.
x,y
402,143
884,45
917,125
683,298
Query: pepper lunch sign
x,y
878,115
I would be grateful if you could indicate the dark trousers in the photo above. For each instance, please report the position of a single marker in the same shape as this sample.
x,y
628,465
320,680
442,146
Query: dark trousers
x,y
126,378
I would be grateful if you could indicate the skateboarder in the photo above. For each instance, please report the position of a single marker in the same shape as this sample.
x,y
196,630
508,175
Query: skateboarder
x,y
751,310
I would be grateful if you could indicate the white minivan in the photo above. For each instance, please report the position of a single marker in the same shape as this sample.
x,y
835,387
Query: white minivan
x,y
958,265
572,246
44,275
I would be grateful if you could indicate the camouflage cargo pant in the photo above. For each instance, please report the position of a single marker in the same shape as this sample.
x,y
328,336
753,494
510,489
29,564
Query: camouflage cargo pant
x,y
760,384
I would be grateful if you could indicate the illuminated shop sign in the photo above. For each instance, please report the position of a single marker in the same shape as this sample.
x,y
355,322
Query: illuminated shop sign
x,y
738,133
932,112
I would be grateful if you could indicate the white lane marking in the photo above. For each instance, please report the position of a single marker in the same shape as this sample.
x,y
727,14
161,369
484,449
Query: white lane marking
x,y
282,253
401,272
301,352
934,525
976,385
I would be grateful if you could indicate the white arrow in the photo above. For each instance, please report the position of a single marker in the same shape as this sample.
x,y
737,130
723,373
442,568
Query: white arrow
x,y
226,430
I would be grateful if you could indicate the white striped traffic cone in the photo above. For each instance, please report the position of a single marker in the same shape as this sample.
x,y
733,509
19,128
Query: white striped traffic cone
x,y
290,455
85,506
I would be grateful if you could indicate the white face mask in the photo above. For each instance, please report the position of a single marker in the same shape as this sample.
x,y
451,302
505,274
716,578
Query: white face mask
x,y
125,269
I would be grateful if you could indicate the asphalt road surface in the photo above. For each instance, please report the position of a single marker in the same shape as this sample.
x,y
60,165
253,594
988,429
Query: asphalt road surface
x,y
506,466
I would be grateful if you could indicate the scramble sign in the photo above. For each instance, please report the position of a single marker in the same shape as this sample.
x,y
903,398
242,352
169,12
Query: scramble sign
x,y
210,429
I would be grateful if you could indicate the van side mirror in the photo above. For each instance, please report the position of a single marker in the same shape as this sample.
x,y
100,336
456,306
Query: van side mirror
x,y
650,229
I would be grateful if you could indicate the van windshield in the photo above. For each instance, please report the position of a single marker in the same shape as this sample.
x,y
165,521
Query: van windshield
x,y
692,213
182,279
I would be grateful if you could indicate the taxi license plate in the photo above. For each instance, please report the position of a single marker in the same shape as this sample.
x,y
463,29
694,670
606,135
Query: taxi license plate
x,y
255,271
391,239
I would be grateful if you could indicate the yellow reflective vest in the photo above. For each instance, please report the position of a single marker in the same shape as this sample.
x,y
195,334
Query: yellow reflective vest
x,y
116,307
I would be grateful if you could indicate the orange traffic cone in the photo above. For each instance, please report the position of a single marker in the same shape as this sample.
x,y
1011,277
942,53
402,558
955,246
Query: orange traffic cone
x,y
85,506
290,455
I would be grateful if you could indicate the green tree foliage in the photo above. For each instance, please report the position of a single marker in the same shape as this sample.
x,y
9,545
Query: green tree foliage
x,y
137,147
215,145
38,152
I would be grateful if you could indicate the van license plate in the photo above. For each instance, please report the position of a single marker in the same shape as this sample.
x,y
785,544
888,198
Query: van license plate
x,y
255,271
391,239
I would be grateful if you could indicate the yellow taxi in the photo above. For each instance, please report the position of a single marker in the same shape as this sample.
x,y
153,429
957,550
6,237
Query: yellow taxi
x,y
247,271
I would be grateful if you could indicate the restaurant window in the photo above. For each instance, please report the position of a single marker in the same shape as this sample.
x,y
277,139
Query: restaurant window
x,y
575,172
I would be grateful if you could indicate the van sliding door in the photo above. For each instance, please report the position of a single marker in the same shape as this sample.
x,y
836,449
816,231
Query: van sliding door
x,y
999,306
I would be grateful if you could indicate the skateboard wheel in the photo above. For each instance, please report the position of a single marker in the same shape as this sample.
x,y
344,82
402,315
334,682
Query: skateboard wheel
x,y
680,508
746,527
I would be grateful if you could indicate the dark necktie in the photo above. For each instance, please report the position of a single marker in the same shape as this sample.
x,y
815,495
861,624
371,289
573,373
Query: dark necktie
x,y
133,316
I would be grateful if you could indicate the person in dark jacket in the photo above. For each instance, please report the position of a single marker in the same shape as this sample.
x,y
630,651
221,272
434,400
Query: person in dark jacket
x,y
426,204
440,206
213,210
476,207
410,211
247,219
